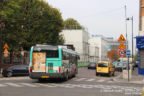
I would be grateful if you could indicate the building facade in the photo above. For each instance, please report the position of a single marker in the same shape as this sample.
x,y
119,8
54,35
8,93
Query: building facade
x,y
140,40
101,43
78,38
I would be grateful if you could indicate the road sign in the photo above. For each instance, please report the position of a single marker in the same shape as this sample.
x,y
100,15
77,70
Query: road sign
x,y
122,46
5,46
121,38
5,51
5,54
122,52
128,52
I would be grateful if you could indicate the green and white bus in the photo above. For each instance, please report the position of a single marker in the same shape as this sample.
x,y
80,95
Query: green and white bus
x,y
48,61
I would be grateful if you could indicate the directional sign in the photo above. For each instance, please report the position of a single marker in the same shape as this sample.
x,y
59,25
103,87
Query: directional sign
x,y
122,52
128,52
121,38
122,46
5,46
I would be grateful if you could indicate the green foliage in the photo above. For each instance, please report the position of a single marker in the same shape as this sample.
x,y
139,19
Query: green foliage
x,y
30,22
71,23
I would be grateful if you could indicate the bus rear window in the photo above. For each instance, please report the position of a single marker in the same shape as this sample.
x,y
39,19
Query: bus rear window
x,y
102,65
52,54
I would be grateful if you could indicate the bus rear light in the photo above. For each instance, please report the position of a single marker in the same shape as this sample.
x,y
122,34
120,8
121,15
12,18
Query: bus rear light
x,y
31,69
59,69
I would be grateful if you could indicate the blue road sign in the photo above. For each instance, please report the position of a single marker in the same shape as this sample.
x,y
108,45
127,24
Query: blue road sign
x,y
128,52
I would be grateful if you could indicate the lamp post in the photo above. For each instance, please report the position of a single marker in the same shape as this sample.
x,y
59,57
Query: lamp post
x,y
131,18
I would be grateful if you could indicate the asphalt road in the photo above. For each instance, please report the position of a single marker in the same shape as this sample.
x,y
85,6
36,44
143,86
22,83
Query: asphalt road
x,y
84,84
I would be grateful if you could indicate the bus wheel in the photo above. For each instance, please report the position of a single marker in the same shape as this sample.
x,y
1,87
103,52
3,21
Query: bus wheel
x,y
66,76
74,75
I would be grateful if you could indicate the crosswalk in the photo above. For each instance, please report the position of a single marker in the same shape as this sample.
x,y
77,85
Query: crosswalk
x,y
14,78
93,80
73,79
102,87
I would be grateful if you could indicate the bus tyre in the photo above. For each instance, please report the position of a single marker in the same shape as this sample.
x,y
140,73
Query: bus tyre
x,y
66,76
74,75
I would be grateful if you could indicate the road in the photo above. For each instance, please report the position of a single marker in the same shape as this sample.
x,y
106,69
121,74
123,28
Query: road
x,y
84,84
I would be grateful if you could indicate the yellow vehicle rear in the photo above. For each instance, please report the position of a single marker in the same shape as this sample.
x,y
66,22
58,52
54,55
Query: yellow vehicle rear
x,y
105,67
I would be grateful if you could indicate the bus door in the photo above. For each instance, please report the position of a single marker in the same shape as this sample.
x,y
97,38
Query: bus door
x,y
39,61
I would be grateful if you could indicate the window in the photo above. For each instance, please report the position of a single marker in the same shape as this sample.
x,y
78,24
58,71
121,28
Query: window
x,y
65,56
102,65
52,53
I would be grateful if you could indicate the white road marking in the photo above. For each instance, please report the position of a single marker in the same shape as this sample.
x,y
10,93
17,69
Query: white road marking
x,y
28,84
13,84
2,85
104,88
101,80
14,78
90,80
80,79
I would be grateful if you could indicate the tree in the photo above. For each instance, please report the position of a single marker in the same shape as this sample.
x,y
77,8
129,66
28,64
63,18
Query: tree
x,y
71,23
30,22
113,55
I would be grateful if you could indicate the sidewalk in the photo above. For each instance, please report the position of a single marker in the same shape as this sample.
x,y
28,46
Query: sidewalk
x,y
136,78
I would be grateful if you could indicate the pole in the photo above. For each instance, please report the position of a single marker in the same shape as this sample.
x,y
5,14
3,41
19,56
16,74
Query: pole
x,y
128,68
0,47
126,41
132,39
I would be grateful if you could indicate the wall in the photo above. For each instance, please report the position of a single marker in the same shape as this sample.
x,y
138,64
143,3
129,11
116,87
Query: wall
x,y
79,38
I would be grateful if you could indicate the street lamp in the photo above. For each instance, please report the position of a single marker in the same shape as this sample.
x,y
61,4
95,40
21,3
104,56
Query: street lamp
x,y
131,18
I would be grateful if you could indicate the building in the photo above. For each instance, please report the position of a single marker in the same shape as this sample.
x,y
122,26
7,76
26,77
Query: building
x,y
93,53
140,40
100,42
78,38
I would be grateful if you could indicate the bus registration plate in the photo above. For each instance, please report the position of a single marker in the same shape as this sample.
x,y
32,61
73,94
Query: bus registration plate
x,y
44,76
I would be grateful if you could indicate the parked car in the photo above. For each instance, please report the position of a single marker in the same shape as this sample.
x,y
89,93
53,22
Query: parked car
x,y
136,63
119,66
92,65
105,67
16,70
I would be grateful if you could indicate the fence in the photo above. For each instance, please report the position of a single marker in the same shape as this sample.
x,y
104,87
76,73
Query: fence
x,y
82,64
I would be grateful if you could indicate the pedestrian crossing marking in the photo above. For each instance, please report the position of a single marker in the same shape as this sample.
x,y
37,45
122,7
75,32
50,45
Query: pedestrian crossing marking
x,y
90,80
13,84
2,85
132,89
28,84
80,79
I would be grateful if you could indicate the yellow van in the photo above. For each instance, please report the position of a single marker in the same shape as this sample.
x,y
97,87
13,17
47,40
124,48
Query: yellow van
x,y
105,67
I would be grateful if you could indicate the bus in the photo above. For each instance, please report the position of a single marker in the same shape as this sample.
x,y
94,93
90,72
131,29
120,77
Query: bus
x,y
52,61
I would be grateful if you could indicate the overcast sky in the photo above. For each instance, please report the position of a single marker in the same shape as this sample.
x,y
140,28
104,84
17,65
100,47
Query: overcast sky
x,y
105,17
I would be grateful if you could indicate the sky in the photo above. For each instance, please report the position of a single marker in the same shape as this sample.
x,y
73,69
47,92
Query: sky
x,y
103,17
